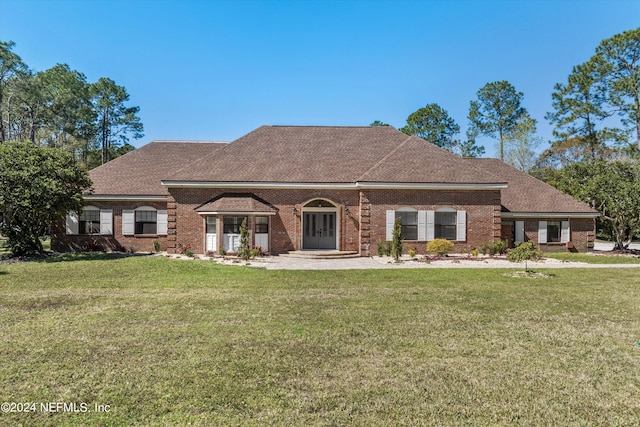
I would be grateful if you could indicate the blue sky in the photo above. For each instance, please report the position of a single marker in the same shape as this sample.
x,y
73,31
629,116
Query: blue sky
x,y
215,70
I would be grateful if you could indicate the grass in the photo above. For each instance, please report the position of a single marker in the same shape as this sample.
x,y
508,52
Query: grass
x,y
169,342
594,258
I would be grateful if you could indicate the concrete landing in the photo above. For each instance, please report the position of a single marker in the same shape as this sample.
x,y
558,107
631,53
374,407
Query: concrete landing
x,y
321,254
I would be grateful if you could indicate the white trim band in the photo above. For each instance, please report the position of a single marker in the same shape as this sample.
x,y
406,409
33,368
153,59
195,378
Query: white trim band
x,y
549,215
235,213
335,186
117,197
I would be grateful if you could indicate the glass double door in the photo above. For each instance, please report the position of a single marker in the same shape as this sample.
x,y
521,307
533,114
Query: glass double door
x,y
319,230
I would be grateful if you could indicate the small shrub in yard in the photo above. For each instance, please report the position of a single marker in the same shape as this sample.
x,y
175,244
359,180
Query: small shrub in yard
x,y
380,248
255,252
497,247
156,245
243,249
412,253
439,246
396,242
525,251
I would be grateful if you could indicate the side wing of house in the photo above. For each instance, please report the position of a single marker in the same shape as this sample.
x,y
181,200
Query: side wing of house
x,y
535,211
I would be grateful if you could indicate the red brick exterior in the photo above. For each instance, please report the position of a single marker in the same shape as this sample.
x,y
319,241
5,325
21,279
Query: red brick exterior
x,y
483,214
360,228
360,217
582,234
187,227
60,241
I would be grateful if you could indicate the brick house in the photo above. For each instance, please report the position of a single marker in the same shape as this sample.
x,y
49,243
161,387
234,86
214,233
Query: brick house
x,y
308,188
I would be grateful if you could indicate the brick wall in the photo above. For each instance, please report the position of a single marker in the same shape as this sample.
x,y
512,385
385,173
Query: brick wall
x,y
582,234
360,228
482,207
187,227
62,242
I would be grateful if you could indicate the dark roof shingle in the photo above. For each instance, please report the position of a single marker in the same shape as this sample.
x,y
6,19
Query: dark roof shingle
x,y
140,171
324,154
525,193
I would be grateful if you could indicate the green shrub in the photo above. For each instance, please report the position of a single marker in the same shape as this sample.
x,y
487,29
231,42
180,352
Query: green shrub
x,y
156,245
500,246
255,252
412,253
396,242
440,246
244,250
497,247
380,248
525,251
474,253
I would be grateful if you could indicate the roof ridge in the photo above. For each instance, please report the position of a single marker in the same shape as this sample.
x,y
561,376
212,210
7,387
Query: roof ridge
x,y
389,154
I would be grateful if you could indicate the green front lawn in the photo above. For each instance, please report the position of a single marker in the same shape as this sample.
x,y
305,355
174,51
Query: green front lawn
x,y
594,258
170,342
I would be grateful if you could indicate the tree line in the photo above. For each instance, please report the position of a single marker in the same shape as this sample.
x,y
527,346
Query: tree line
x,y
59,108
594,155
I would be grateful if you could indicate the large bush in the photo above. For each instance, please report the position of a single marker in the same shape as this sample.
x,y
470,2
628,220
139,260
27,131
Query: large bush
x,y
440,246
38,187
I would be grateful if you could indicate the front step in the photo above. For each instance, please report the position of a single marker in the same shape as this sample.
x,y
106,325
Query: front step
x,y
321,254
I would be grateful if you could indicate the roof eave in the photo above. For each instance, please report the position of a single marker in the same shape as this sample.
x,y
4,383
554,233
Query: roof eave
x,y
335,185
550,214
236,213
125,197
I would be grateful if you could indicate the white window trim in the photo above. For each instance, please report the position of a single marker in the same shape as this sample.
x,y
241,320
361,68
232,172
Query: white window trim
x,y
106,222
519,231
461,224
129,220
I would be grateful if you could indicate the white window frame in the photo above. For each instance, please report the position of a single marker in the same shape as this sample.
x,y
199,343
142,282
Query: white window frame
x,y
565,232
129,221
105,222
426,223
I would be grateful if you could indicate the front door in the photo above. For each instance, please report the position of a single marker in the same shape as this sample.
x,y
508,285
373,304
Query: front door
x,y
319,230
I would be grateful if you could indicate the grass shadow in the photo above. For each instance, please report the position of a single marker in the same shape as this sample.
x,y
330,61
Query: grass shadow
x,y
52,257
89,256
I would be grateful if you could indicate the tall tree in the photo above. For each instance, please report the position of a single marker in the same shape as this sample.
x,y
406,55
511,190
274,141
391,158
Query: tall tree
x,y
115,121
496,111
468,147
38,186
68,117
618,64
378,123
521,143
11,66
579,111
607,186
433,124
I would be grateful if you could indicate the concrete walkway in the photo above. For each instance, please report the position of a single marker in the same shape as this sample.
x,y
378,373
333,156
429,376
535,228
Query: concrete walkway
x,y
289,263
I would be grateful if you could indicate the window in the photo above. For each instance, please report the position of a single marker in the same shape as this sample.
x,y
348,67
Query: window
x,y
554,231
262,224
211,225
146,222
409,221
89,221
232,224
445,225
